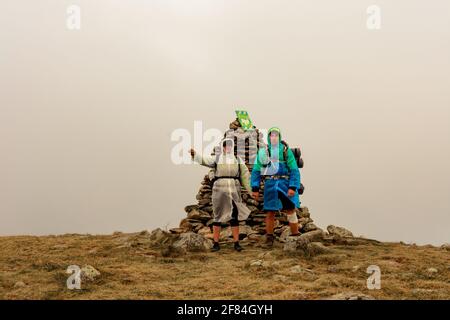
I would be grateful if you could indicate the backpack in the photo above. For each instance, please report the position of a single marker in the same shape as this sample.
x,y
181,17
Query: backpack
x,y
298,158
295,151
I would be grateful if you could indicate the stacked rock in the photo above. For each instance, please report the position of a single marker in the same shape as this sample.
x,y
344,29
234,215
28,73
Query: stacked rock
x,y
199,216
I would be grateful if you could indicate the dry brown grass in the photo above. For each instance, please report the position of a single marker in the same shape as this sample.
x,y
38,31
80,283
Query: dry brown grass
x,y
143,273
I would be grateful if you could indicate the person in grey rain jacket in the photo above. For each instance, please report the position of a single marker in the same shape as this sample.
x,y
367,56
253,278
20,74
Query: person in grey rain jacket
x,y
230,173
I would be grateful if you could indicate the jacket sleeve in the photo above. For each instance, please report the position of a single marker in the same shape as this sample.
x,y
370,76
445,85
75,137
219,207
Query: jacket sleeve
x,y
294,172
205,160
256,173
245,176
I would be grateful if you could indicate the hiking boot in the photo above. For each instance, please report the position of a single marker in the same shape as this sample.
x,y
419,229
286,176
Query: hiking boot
x,y
237,247
269,241
215,247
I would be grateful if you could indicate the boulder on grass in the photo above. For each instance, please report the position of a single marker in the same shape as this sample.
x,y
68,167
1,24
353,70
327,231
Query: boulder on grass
x,y
89,273
192,242
306,245
339,232
351,296
313,236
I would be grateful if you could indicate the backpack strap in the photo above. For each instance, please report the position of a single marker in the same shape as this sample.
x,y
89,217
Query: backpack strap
x,y
215,163
239,166
285,150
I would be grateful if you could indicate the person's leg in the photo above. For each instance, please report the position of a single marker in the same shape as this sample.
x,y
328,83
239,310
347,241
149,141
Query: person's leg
x,y
235,232
271,205
216,236
293,222
289,206
216,232
270,224
234,222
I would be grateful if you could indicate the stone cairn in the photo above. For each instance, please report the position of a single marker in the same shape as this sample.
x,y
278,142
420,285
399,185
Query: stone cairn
x,y
199,217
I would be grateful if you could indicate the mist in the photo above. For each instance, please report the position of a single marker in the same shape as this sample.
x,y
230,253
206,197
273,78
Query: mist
x,y
86,116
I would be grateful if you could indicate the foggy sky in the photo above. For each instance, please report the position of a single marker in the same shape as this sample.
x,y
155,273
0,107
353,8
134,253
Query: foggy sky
x,y
86,116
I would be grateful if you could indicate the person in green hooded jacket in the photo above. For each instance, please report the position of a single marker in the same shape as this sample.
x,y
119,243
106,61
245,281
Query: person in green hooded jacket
x,y
276,164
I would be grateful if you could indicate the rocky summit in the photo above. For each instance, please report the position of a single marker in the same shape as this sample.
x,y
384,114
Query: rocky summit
x,y
199,216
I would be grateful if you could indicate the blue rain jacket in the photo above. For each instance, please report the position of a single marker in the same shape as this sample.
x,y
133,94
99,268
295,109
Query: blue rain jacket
x,y
275,190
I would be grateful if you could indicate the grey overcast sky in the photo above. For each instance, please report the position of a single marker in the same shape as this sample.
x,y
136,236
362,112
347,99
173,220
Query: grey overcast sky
x,y
86,116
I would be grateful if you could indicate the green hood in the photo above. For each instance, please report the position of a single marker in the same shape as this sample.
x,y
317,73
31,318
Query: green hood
x,y
276,129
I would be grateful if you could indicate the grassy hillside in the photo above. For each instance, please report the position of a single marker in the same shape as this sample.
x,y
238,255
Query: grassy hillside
x,y
35,268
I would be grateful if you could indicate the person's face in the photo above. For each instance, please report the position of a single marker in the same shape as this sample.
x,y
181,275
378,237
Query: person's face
x,y
274,137
228,147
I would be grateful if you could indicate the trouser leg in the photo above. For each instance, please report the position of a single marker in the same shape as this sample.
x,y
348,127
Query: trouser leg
x,y
234,222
